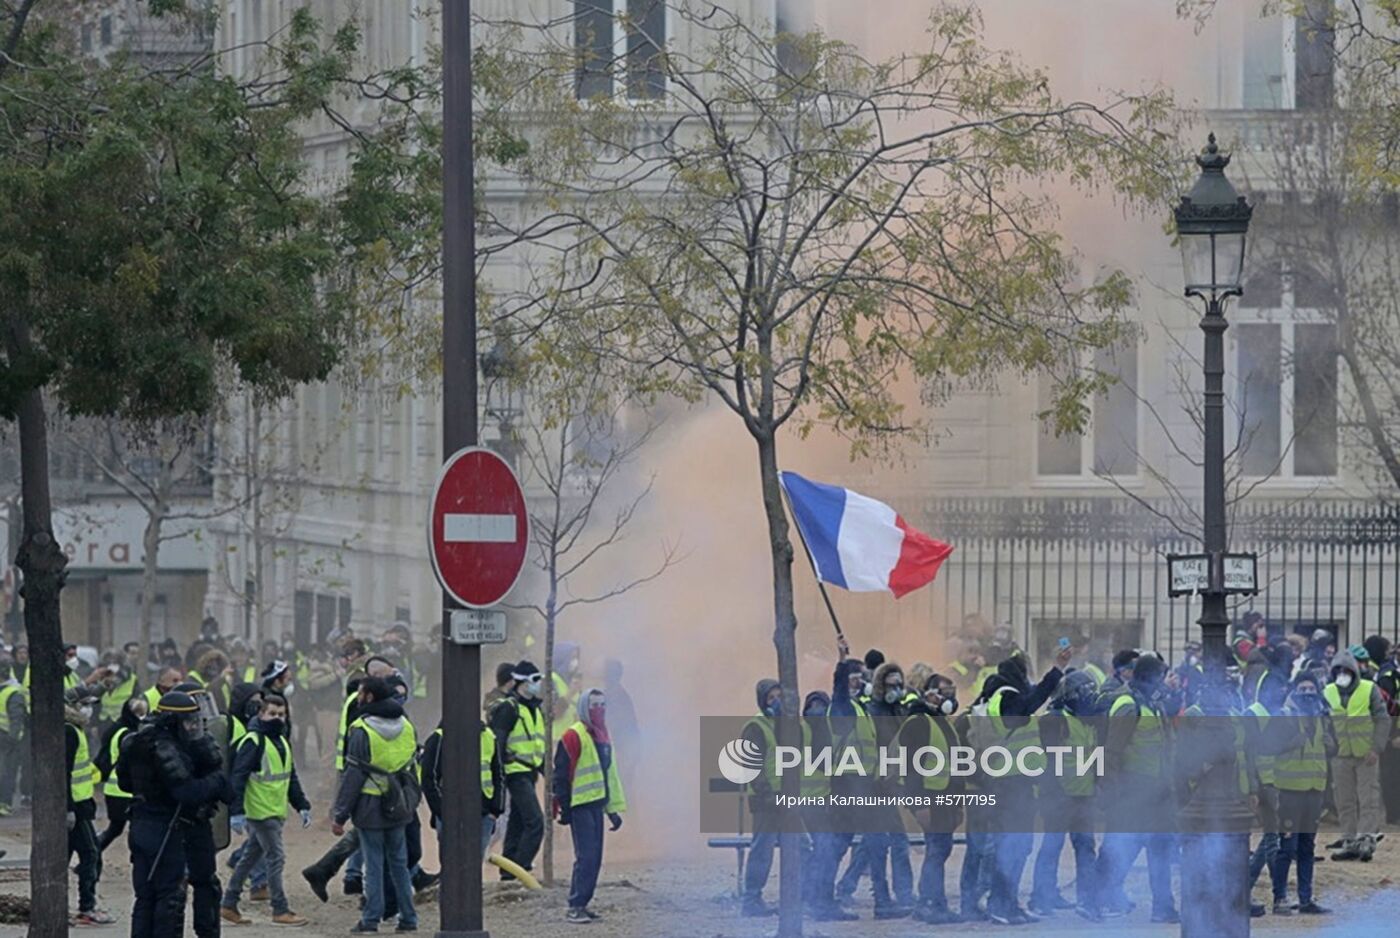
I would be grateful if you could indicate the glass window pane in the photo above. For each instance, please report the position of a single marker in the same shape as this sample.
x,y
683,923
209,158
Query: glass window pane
x,y
1314,55
1055,455
1263,63
1258,397
1314,400
646,37
1263,288
1116,413
1311,289
593,42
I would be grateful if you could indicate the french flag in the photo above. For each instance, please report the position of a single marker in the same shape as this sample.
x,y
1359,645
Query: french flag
x,y
860,544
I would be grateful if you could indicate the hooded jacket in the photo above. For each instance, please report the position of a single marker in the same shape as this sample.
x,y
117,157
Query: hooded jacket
x,y
248,757
1025,699
1380,719
386,717
755,735
567,752
238,699
888,725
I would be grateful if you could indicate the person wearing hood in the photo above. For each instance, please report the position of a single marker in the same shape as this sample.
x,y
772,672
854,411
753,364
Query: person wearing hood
x,y
1303,740
928,725
760,738
587,786
1137,753
118,799
1118,681
1011,703
82,808
14,719
1067,802
380,744
519,720
264,784
1362,725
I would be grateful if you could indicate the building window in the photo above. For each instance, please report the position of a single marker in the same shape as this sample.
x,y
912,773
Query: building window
x,y
1111,446
596,43
87,37
1264,80
106,31
1286,375
1314,48
1289,62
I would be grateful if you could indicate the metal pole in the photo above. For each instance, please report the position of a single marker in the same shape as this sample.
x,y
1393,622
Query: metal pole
x,y
1215,621
460,896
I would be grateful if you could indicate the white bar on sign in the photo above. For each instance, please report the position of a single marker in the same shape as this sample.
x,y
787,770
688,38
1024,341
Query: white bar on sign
x,y
480,529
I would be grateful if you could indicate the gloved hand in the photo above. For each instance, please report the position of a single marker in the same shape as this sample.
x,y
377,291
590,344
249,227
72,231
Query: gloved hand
x,y
72,820
565,817
239,823
305,818
614,820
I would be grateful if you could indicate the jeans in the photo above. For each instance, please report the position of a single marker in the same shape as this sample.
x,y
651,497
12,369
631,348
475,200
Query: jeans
x,y
932,888
1120,851
975,879
381,847
1291,847
586,828
82,840
258,878
827,850
1045,887
875,846
525,826
759,865
488,830
264,844
354,864
901,868
1264,856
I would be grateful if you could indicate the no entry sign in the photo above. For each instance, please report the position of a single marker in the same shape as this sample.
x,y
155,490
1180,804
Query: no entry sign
x,y
478,528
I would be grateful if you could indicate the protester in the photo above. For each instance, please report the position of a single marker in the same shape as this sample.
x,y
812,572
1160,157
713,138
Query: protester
x,y
587,786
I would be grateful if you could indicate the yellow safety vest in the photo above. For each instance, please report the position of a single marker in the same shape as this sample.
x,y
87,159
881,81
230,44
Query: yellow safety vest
x,y
589,783
6,692
937,739
340,731
112,787
70,679
866,743
488,753
153,696
1353,721
1304,767
265,795
387,755
113,700
1263,765
525,744
1147,748
82,782
1081,737
1018,739
814,783
1095,672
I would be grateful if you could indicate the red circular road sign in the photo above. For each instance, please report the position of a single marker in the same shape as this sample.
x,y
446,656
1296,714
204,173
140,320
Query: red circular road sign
x,y
478,528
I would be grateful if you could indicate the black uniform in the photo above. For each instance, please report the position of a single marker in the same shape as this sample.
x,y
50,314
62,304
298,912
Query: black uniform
x,y
177,783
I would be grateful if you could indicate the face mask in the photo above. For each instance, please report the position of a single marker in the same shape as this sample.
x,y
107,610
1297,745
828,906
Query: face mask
x,y
72,664
816,710
1305,700
272,727
894,694
1344,679
867,688
1192,660
774,709
949,706
86,712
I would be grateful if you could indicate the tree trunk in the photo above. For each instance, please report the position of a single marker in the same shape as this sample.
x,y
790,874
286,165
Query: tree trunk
x,y
550,617
150,565
785,642
255,449
42,562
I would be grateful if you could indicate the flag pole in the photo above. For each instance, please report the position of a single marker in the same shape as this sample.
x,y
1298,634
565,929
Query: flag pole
x,y
813,563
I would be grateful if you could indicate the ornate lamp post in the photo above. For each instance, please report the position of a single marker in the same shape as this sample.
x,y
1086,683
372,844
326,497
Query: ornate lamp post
x,y
1212,221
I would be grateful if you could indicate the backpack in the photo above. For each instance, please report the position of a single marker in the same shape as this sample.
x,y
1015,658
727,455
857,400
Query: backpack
x,y
402,791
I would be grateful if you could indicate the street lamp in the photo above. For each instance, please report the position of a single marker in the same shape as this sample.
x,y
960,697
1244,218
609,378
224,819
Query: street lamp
x,y
1211,222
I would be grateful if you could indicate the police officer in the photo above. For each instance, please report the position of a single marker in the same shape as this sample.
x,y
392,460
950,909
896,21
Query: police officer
x,y
175,771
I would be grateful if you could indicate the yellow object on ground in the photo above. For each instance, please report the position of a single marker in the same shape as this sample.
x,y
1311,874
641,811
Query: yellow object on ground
x,y
514,869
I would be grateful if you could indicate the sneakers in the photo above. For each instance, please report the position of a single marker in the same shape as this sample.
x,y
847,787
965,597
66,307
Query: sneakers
x,y
360,928
289,919
92,918
889,910
756,908
317,882
261,894
1040,908
591,914
1349,851
1257,910
577,917
232,916
402,927
423,880
1281,907
1312,908
1089,914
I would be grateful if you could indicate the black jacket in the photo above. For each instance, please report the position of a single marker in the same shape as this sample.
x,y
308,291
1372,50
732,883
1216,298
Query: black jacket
x,y
503,716
246,760
350,802
166,774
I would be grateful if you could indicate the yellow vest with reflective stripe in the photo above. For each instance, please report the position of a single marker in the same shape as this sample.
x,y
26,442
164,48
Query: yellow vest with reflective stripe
x,y
1095,672
1018,739
1263,764
6,692
525,744
265,795
488,753
1147,747
153,696
387,755
340,731
1304,767
82,781
866,744
1352,721
936,740
112,787
813,783
1081,737
113,700
590,786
